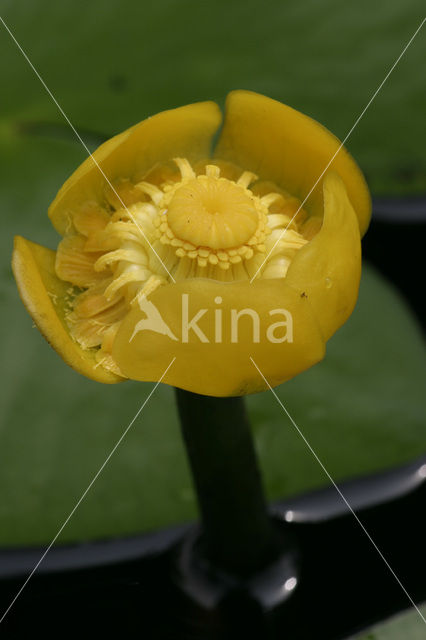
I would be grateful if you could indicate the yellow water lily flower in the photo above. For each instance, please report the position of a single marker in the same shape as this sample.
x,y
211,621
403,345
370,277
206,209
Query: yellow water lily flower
x,y
172,250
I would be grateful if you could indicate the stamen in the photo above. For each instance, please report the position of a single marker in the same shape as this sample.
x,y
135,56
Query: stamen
x,y
151,190
278,220
246,179
129,255
134,275
212,171
270,199
277,267
187,172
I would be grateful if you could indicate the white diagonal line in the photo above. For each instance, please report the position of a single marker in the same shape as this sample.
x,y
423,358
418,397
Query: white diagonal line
x,y
84,494
339,492
85,146
342,143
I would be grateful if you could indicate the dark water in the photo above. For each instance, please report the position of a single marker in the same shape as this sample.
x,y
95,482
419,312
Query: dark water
x,y
343,585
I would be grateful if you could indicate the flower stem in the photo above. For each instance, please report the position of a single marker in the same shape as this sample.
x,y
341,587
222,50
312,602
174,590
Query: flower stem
x,y
238,535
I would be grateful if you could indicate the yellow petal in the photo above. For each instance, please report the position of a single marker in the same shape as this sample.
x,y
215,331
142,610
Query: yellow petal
x,y
90,219
186,131
89,331
219,368
93,301
327,270
74,264
45,297
289,148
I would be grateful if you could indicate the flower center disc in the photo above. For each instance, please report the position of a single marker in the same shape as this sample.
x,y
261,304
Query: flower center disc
x,y
212,212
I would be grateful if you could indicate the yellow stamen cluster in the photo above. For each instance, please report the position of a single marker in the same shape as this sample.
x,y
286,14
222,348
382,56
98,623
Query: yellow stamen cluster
x,y
191,224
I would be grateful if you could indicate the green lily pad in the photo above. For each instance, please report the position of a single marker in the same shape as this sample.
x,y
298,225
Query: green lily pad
x,y
122,61
407,625
361,408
